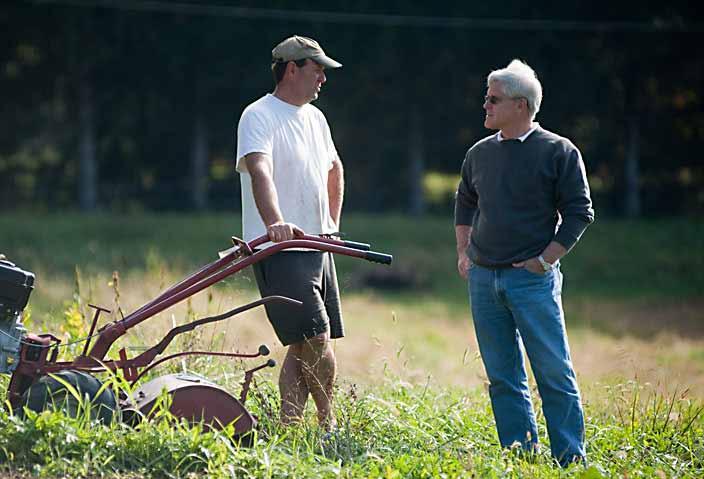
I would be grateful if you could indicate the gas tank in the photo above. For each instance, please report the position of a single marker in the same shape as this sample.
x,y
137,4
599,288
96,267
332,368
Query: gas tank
x,y
194,398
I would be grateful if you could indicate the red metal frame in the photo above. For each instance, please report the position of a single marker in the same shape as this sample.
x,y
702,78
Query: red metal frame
x,y
34,362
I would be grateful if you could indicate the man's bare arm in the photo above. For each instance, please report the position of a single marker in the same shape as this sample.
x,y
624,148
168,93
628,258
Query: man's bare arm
x,y
553,252
462,234
336,191
260,168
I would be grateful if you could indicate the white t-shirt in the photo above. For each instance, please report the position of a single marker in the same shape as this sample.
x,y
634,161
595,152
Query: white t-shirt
x,y
298,140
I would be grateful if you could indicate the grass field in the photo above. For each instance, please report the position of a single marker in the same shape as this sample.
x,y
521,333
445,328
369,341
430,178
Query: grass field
x,y
616,259
633,299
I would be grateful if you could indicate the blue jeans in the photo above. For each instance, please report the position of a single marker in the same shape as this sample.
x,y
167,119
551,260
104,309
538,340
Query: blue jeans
x,y
513,306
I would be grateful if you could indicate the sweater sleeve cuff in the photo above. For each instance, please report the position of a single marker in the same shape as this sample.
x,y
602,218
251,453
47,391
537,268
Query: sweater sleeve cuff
x,y
464,216
569,233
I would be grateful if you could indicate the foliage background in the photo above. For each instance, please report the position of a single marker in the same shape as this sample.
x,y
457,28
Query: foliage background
x,y
133,105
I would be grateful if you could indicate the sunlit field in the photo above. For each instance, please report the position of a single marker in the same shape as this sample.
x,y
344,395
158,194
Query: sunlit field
x,y
632,297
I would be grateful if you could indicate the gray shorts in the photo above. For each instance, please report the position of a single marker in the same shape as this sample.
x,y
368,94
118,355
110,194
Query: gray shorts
x,y
307,276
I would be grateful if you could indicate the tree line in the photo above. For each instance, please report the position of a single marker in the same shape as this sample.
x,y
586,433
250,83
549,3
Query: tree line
x,y
133,105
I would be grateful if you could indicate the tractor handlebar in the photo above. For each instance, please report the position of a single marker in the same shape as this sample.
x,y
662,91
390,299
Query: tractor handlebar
x,y
375,257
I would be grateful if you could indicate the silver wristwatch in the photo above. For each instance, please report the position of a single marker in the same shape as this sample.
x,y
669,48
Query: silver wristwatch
x,y
546,266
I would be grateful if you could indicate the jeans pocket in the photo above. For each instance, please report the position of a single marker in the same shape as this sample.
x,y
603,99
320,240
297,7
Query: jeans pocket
x,y
537,275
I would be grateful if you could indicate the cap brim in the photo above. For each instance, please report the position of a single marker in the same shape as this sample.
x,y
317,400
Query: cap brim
x,y
326,61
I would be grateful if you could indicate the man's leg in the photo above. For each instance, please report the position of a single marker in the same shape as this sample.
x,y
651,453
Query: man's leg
x,y
537,305
309,366
319,369
292,386
503,359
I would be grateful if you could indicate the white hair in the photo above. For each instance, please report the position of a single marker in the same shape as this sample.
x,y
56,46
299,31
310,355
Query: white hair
x,y
518,80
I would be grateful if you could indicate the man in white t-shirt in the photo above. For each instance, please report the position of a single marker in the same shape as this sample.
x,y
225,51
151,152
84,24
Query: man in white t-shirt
x,y
292,182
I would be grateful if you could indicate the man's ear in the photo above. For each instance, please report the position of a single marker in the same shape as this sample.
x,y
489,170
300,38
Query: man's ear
x,y
290,69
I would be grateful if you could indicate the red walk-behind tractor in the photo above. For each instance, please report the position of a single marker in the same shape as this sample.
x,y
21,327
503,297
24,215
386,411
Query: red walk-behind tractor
x,y
39,379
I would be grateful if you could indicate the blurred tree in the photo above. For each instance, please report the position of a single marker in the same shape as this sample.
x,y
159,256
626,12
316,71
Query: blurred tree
x,y
134,105
83,61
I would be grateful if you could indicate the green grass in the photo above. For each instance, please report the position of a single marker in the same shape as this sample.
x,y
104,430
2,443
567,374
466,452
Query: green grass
x,y
614,259
389,428
394,430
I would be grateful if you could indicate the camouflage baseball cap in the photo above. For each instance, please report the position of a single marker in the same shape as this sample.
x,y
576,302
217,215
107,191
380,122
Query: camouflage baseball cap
x,y
297,48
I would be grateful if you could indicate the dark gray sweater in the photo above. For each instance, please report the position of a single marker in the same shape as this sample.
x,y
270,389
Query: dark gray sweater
x,y
520,196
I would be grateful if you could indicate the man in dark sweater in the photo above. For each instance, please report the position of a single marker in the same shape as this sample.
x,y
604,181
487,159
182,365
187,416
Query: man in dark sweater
x,y
522,203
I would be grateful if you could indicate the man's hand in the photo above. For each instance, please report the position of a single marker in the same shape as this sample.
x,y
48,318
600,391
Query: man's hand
x,y
281,231
463,264
532,265
551,254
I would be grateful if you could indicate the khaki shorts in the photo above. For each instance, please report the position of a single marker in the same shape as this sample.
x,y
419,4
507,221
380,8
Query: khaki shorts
x,y
310,277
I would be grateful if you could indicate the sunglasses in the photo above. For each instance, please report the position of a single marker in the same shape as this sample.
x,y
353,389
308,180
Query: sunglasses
x,y
495,100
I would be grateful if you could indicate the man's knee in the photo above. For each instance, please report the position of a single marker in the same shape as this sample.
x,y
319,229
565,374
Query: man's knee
x,y
317,344
557,376
295,349
317,353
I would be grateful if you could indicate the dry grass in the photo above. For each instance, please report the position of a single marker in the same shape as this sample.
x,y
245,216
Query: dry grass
x,y
430,343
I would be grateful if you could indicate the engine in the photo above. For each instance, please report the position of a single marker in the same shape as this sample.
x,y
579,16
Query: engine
x,y
15,288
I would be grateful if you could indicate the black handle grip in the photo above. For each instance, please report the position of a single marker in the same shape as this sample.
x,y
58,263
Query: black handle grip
x,y
359,246
378,257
